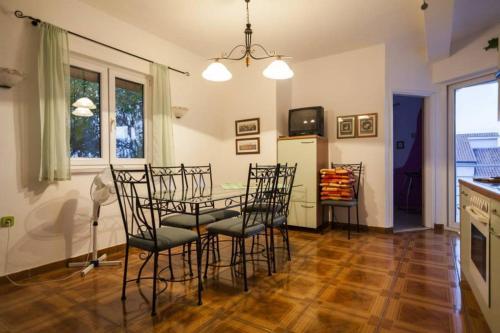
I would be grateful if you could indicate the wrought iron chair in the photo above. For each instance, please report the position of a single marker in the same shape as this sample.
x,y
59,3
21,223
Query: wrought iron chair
x,y
168,181
199,180
259,193
357,171
133,189
281,202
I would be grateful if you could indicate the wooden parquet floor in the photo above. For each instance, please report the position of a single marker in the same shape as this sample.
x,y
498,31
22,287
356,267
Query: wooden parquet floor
x,y
372,283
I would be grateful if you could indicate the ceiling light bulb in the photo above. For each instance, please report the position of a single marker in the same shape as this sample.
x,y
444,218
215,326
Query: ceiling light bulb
x,y
217,72
278,70
84,102
82,112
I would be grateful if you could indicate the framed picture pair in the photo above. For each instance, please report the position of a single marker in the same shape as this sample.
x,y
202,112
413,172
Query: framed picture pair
x,y
357,126
244,127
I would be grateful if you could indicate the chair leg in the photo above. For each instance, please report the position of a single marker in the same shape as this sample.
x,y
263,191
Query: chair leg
x,y
273,252
155,276
170,264
124,286
214,256
253,243
287,241
333,217
189,260
244,256
357,217
218,247
198,267
208,255
348,222
267,253
232,251
142,266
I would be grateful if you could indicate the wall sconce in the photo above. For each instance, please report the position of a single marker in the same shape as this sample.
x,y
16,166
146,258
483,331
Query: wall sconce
x,y
179,111
9,77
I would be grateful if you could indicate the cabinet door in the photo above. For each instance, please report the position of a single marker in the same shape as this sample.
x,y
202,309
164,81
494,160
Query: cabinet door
x,y
464,228
302,152
303,214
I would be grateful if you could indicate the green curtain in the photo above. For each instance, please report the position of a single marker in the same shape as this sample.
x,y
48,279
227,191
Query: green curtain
x,y
163,137
54,94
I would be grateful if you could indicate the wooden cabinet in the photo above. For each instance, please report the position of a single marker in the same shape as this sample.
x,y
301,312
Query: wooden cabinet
x,y
311,154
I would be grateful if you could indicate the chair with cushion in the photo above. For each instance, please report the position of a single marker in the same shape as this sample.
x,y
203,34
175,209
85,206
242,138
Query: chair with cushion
x,y
259,193
280,204
356,170
168,181
133,189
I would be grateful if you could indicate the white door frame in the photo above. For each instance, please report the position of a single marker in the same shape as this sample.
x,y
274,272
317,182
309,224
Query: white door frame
x,y
451,167
428,171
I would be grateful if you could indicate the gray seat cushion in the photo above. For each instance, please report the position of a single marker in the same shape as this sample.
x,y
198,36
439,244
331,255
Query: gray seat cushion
x,y
222,214
233,227
278,221
167,238
340,203
261,207
186,221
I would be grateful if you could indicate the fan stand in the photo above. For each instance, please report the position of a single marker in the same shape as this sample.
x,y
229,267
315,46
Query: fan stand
x,y
95,261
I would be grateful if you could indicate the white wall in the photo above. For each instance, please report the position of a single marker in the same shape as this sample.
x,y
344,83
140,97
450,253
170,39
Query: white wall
x,y
52,220
346,84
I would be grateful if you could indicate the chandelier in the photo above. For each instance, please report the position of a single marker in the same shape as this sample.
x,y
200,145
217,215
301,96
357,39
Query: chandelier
x,y
277,70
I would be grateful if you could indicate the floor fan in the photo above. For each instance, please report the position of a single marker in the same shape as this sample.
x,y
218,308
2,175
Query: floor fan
x,y
102,193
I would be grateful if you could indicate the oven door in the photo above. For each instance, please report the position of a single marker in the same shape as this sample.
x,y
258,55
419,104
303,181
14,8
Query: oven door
x,y
479,252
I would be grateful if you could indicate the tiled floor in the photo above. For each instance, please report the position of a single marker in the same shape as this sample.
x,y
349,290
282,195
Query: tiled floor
x,y
372,283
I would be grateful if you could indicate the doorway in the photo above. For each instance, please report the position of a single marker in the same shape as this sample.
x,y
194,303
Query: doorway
x,y
408,113
474,136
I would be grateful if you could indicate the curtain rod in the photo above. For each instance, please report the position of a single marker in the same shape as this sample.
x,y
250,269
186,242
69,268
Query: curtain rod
x,y
36,21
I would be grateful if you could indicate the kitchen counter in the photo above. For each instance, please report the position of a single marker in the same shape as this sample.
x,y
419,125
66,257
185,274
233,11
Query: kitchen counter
x,y
490,190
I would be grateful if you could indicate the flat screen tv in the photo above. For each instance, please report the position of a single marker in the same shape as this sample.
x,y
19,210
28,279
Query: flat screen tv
x,y
306,121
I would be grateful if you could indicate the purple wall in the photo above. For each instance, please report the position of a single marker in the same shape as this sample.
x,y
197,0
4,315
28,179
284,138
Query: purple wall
x,y
408,119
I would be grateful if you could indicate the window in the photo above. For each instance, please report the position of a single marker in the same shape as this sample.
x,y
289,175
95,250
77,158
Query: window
x,y
475,139
85,140
116,132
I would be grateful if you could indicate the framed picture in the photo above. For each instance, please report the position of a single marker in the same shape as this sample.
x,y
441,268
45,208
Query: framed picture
x,y
248,146
346,127
367,125
247,126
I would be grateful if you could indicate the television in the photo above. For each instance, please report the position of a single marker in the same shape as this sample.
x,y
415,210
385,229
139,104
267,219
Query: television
x,y
306,121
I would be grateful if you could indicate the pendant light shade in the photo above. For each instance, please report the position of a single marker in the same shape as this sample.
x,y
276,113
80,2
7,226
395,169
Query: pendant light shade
x,y
82,112
217,72
278,70
83,106
84,102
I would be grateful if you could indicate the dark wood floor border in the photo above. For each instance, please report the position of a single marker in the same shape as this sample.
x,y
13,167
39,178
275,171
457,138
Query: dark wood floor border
x,y
120,248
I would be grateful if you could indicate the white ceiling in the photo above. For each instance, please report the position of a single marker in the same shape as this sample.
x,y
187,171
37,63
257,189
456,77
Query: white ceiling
x,y
302,29
472,17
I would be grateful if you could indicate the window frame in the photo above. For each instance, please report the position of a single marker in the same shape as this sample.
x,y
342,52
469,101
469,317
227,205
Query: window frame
x,y
103,89
452,222
108,73
136,78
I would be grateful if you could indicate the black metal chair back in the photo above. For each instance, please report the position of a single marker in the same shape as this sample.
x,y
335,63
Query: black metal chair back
x,y
197,179
167,178
283,190
261,186
136,206
356,169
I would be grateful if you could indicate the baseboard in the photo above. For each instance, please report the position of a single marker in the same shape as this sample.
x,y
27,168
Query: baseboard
x,y
110,251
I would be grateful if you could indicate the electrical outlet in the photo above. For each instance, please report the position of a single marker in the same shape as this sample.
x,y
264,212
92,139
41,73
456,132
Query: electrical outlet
x,y
7,221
